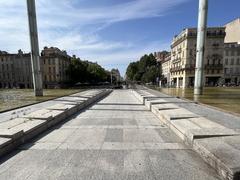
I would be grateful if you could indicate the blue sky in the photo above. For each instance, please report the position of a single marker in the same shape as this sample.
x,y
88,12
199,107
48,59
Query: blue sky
x,y
110,32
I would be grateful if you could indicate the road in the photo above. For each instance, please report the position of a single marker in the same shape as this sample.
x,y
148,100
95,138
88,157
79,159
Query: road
x,y
116,138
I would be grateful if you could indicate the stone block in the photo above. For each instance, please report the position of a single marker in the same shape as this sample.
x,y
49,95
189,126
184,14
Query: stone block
x,y
61,107
29,126
222,153
176,114
4,142
193,134
11,123
205,123
44,114
11,133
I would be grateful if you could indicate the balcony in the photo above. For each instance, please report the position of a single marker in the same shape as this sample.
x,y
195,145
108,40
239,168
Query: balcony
x,y
214,66
176,69
176,60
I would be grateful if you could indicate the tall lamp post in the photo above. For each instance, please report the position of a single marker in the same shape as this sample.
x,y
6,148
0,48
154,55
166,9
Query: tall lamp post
x,y
35,61
201,36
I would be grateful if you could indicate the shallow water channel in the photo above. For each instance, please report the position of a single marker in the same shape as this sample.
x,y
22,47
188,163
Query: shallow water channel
x,y
226,98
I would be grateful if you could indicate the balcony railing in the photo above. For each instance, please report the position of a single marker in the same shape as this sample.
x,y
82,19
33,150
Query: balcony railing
x,y
213,66
176,69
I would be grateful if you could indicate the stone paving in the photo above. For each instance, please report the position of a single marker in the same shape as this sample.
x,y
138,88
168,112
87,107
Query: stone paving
x,y
117,138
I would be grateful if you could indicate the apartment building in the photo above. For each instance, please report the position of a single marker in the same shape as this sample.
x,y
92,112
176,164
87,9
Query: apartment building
x,y
54,65
166,64
233,31
232,64
183,57
15,70
161,55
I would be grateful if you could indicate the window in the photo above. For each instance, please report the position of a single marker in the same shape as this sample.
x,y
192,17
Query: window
x,y
238,61
232,53
226,53
226,61
191,52
49,62
232,61
226,71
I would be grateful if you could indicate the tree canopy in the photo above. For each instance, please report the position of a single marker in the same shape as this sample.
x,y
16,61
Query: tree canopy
x,y
87,72
145,70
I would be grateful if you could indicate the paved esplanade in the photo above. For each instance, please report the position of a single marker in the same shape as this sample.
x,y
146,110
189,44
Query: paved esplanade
x,y
117,138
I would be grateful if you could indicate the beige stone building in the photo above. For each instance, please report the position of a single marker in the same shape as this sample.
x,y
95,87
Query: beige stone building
x,y
161,55
233,31
183,57
54,65
15,70
232,64
166,64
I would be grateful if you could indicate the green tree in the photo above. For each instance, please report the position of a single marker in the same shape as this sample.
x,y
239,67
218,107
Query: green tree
x,y
146,69
86,72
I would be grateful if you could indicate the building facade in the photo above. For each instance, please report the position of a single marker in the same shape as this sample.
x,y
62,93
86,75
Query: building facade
x,y
15,70
232,64
115,73
233,31
54,65
183,57
166,64
161,55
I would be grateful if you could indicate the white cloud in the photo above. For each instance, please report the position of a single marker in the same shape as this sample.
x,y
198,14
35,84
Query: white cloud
x,y
68,26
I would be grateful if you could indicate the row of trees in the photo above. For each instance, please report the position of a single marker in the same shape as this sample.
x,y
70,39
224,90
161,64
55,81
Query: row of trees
x,y
146,70
87,72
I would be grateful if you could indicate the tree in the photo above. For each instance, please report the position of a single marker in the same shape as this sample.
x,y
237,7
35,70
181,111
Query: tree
x,y
86,72
132,70
145,70
150,75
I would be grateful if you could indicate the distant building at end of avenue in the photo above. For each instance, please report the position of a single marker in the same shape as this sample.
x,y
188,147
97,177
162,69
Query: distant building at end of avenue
x,y
16,70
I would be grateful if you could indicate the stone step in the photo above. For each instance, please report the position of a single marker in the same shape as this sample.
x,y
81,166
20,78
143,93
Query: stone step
x,y
217,145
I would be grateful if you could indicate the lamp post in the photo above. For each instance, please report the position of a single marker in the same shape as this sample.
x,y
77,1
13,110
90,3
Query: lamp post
x,y
201,36
35,61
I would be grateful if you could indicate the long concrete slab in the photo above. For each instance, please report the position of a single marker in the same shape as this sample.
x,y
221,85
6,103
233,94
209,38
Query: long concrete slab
x,y
200,133
29,125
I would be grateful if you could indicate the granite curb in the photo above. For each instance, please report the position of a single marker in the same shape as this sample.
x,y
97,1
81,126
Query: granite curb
x,y
217,145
